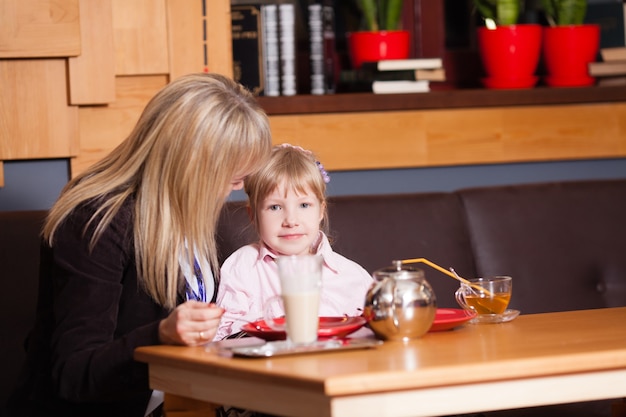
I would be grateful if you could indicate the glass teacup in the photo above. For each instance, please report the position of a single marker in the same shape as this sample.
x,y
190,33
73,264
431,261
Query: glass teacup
x,y
485,295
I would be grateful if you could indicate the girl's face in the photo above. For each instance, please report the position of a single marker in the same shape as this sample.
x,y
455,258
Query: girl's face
x,y
289,223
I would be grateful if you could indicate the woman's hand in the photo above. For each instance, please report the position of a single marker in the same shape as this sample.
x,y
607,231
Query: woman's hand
x,y
192,323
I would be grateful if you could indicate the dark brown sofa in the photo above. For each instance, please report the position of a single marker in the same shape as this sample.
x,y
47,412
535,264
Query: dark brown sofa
x,y
563,243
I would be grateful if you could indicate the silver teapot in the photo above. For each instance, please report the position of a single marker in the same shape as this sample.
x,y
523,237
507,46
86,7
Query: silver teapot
x,y
400,304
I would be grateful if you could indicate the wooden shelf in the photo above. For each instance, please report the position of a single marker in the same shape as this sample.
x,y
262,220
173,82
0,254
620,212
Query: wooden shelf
x,y
446,99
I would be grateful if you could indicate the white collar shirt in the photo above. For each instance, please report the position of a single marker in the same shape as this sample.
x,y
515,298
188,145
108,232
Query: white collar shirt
x,y
249,277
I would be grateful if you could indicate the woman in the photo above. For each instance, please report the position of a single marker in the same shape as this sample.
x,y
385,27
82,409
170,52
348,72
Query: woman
x,y
129,255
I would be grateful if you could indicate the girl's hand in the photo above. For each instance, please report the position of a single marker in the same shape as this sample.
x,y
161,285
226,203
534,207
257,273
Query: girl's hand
x,y
192,323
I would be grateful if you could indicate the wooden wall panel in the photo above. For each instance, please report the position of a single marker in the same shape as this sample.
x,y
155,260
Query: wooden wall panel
x,y
102,128
39,28
140,36
186,37
219,38
92,73
35,119
456,137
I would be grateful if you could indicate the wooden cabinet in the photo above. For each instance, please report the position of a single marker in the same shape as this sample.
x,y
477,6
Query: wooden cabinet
x,y
82,103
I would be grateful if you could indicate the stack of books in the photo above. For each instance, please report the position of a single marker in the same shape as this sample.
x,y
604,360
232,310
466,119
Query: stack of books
x,y
394,76
612,69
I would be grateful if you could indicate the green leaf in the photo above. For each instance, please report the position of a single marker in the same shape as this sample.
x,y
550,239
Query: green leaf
x,y
565,12
368,7
571,12
503,12
508,11
394,12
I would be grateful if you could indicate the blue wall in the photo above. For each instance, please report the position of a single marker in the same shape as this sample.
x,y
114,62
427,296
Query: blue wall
x,y
34,185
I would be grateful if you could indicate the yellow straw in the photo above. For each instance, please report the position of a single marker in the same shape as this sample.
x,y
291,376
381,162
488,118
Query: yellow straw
x,y
445,271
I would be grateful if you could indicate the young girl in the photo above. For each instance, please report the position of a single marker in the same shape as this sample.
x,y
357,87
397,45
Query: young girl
x,y
287,206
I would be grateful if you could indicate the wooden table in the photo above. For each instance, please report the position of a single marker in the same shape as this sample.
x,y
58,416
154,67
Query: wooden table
x,y
534,360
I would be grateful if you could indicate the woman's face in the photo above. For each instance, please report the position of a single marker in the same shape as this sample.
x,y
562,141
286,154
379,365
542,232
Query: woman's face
x,y
289,223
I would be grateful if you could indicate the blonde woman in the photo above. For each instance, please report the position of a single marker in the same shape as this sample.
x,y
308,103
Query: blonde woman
x,y
129,256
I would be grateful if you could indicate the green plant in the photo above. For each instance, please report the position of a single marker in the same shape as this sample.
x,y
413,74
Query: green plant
x,y
565,12
499,12
381,14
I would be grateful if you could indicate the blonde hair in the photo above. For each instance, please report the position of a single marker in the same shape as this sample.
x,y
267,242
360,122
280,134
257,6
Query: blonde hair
x,y
193,137
295,168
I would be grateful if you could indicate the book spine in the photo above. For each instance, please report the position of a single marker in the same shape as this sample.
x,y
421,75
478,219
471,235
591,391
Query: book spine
x,y
248,67
316,60
328,31
287,41
400,87
271,50
322,45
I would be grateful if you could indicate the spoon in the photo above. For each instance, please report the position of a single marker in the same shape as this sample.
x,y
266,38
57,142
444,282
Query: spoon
x,y
466,282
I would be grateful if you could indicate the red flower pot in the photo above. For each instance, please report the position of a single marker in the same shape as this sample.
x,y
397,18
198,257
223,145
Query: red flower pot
x,y
510,55
567,52
374,46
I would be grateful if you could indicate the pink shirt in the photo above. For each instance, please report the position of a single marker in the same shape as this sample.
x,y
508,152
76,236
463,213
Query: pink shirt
x,y
249,277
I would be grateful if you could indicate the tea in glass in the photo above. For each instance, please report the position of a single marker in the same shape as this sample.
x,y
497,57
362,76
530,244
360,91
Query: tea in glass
x,y
485,295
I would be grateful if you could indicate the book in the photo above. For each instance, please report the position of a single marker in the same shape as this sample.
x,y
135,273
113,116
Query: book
x,y
613,54
405,64
435,74
366,76
609,15
271,55
608,68
400,87
287,42
321,23
612,81
247,43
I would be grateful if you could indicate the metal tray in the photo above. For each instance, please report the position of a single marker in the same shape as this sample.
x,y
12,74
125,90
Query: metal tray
x,y
283,348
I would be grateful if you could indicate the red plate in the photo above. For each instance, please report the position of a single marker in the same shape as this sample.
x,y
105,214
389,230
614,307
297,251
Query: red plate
x,y
328,327
449,318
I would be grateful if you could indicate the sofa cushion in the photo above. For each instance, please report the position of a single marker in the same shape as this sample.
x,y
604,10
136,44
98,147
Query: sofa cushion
x,y
563,243
19,260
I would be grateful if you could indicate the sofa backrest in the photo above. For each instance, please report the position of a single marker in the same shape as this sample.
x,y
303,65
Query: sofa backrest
x,y
563,243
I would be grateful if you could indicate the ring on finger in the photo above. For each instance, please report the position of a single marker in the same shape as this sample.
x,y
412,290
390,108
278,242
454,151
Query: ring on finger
x,y
202,335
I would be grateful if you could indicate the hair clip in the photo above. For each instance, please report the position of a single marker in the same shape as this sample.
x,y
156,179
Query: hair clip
x,y
325,175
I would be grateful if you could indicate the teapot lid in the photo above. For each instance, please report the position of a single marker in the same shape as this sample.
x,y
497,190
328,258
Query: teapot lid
x,y
398,270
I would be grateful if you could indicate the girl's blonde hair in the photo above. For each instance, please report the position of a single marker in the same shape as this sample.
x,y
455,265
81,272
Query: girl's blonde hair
x,y
193,137
295,168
